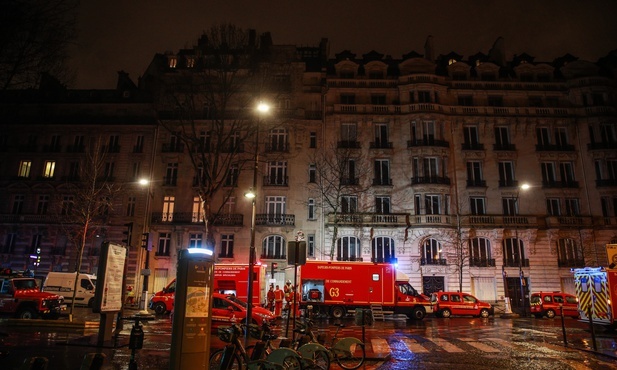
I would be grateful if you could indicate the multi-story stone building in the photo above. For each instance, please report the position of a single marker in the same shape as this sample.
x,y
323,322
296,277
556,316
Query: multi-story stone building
x,y
418,161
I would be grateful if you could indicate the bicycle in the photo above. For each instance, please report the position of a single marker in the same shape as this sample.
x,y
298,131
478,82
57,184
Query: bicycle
x,y
235,357
348,352
313,355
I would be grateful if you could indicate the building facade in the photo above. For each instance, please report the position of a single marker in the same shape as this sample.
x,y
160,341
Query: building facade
x,y
418,161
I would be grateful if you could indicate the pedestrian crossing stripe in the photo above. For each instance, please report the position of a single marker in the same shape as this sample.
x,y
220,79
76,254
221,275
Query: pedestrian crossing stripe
x,y
479,345
447,346
414,346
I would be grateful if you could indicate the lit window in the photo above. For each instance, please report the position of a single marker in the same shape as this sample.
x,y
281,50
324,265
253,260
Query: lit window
x,y
50,167
24,168
173,62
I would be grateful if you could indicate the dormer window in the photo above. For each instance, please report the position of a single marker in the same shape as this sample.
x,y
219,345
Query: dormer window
x,y
452,61
190,62
173,62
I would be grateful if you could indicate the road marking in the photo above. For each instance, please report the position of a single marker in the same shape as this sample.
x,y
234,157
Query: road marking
x,y
479,345
413,346
447,346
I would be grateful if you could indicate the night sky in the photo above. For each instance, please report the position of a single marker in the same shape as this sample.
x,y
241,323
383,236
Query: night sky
x,y
124,35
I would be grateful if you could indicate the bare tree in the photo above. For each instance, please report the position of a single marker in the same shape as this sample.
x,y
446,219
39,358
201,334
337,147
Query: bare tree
x,y
457,251
339,172
87,204
211,112
34,39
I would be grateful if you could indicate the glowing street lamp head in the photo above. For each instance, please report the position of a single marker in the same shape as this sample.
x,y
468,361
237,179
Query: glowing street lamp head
x,y
143,182
250,194
525,186
263,107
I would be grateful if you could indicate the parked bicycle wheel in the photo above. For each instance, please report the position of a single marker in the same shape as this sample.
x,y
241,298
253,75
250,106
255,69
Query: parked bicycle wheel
x,y
220,362
322,360
349,353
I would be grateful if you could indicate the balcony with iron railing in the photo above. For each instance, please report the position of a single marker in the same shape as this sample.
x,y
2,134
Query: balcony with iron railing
x,y
493,221
427,142
277,147
482,262
568,221
554,148
348,144
276,180
433,261
186,218
472,146
508,183
350,181
606,183
504,147
516,262
373,219
473,183
349,259
382,182
577,262
602,145
380,144
570,184
273,256
267,219
437,180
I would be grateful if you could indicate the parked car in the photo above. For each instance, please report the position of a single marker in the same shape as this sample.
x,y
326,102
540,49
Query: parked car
x,y
446,304
228,307
550,304
64,283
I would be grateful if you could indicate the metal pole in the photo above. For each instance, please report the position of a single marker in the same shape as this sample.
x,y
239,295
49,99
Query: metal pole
x,y
249,298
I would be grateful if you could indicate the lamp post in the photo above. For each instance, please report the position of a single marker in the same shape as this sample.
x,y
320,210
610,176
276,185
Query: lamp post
x,y
521,274
262,109
143,303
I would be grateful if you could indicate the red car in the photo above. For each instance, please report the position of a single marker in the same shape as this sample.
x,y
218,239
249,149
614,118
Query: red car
x,y
226,308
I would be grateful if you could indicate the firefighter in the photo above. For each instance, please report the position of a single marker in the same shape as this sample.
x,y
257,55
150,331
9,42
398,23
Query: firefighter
x,y
294,302
288,290
278,301
270,297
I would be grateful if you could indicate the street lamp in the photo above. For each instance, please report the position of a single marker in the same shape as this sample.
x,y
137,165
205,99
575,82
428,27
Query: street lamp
x,y
143,302
523,187
262,110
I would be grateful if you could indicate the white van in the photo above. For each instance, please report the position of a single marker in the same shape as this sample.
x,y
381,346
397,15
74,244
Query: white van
x,y
63,282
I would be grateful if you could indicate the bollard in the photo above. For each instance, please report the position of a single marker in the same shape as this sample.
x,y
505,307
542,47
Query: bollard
x,y
563,326
35,363
92,361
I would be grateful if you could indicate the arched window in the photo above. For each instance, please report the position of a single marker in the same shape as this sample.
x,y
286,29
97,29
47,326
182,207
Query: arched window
x,y
273,247
348,249
480,253
383,249
568,254
431,253
514,253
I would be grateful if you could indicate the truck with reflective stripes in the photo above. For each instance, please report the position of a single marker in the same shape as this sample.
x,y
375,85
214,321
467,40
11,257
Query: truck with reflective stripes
x,y
596,289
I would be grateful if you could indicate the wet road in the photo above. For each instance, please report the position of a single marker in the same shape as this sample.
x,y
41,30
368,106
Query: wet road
x,y
455,343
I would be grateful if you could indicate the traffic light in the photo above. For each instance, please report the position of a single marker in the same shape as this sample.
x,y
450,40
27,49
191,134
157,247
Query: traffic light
x,y
273,267
145,240
128,234
37,262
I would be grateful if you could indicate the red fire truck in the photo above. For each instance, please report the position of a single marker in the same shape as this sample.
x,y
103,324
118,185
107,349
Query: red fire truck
x,y
334,288
228,279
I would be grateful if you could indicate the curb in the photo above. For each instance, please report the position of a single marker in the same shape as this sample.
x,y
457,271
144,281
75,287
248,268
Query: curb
x,y
50,323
